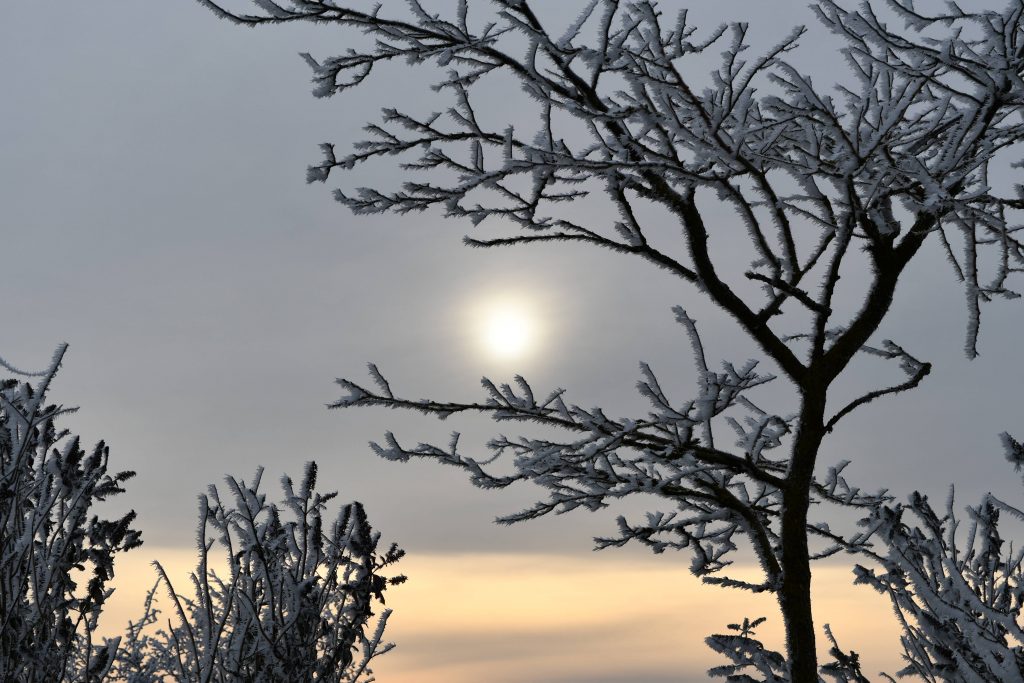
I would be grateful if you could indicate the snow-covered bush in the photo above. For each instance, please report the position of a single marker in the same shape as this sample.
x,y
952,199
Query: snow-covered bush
x,y
959,598
56,554
293,599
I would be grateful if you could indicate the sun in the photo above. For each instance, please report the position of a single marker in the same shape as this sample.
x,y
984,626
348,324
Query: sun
x,y
508,331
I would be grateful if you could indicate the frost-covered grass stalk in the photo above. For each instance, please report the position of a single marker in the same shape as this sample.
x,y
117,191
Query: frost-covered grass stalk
x,y
851,177
295,600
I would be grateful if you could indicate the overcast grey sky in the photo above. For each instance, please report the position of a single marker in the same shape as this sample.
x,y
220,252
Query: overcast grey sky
x,y
155,216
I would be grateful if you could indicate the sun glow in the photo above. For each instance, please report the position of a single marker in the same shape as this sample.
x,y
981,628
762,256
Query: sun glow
x,y
508,331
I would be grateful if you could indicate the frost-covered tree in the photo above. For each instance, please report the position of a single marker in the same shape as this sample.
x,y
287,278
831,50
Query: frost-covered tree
x,y
846,178
56,555
293,601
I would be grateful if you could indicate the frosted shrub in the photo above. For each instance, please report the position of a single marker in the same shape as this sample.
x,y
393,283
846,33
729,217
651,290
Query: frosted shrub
x,y
295,602
56,555
959,596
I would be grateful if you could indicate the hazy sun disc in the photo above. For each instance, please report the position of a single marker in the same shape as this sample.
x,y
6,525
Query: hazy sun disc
x,y
507,332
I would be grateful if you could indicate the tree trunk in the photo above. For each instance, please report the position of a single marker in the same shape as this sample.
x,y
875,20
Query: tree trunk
x,y
795,592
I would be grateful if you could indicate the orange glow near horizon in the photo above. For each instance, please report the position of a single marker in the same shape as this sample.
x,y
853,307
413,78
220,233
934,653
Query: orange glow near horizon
x,y
503,618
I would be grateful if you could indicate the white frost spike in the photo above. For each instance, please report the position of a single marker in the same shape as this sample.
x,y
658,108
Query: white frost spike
x,y
380,381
